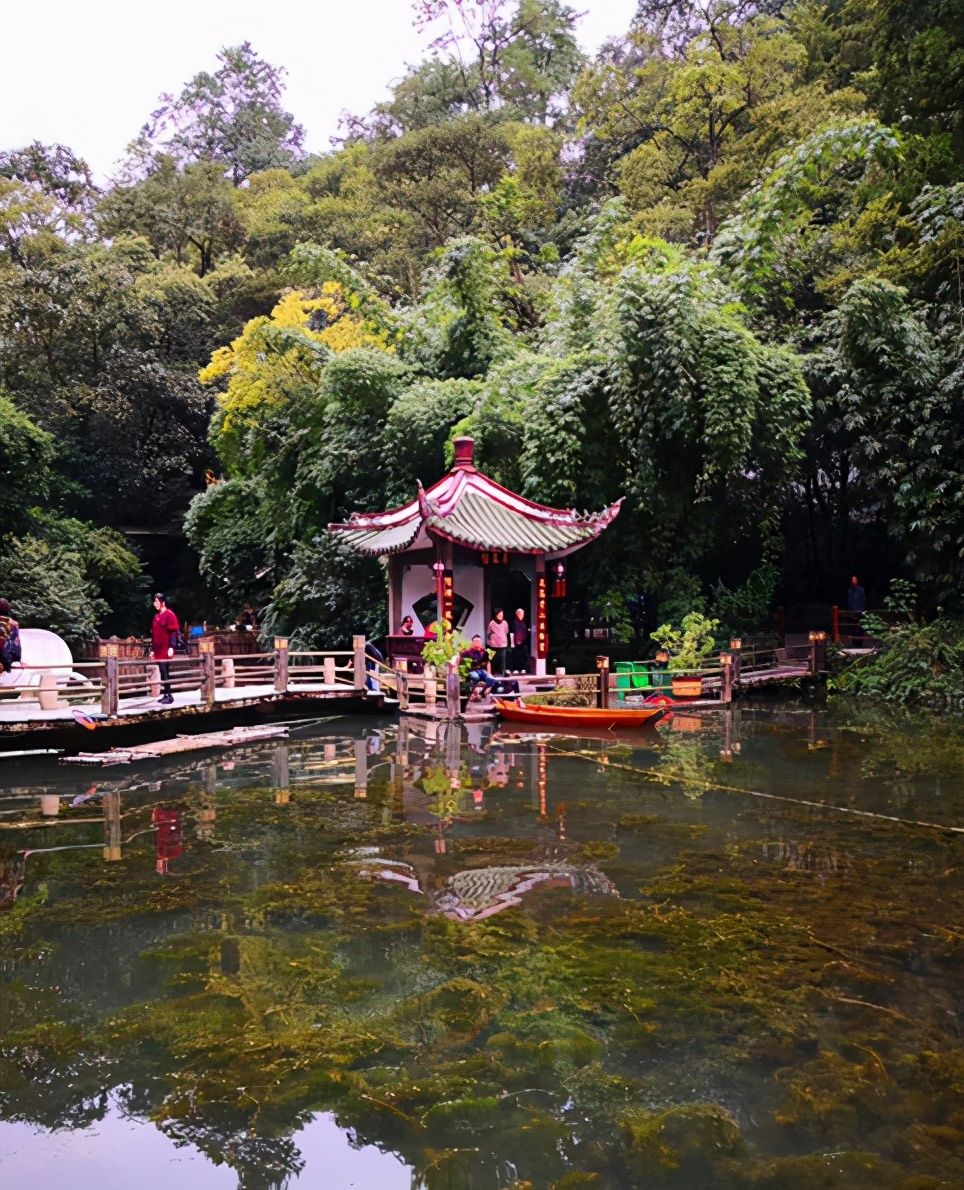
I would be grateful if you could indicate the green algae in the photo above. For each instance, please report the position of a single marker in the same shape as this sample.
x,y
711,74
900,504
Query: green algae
x,y
558,1035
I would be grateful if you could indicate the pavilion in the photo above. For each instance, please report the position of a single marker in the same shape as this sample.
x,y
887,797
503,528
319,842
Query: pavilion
x,y
467,546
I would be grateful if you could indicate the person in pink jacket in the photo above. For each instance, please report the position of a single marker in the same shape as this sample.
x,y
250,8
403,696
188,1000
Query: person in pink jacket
x,y
497,638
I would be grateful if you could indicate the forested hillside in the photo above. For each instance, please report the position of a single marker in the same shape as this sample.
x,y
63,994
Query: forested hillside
x,y
717,268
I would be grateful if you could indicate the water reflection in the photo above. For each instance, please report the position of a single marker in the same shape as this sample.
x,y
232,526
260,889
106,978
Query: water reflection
x,y
492,959
481,892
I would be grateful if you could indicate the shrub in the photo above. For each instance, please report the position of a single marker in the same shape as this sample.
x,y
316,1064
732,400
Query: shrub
x,y
918,665
689,645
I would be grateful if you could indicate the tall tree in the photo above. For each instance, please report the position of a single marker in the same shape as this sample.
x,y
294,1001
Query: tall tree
x,y
520,54
47,195
233,117
188,215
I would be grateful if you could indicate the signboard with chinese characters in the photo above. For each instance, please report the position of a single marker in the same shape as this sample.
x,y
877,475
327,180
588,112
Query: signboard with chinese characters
x,y
542,630
448,597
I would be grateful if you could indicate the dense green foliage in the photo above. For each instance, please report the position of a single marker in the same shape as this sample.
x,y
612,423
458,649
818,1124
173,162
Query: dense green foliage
x,y
716,269
918,665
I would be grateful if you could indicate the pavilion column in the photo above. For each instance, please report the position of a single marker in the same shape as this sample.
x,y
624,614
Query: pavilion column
x,y
540,617
444,579
395,571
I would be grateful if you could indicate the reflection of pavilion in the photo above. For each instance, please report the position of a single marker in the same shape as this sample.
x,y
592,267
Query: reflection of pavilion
x,y
476,893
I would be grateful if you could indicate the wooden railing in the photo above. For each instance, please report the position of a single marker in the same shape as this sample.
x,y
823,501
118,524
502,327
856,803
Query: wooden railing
x,y
742,664
115,680
441,692
847,628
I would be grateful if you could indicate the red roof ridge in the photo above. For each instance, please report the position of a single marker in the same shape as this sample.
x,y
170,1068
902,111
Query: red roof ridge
x,y
432,507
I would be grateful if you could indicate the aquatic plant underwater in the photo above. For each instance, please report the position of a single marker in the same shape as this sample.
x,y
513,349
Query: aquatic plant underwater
x,y
697,988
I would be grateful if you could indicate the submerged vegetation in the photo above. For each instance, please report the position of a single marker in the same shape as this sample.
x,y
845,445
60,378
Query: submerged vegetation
x,y
755,1007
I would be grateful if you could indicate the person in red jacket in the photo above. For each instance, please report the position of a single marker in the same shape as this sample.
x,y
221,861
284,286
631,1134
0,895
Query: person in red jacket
x,y
164,633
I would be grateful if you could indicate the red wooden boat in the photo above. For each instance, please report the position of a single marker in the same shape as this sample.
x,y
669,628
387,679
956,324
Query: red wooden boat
x,y
609,719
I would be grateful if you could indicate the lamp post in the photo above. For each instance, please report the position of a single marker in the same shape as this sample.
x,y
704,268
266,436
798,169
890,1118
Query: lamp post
x,y
818,652
726,678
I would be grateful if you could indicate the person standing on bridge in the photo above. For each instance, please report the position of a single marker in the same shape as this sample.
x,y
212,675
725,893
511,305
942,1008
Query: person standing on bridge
x,y
856,605
165,630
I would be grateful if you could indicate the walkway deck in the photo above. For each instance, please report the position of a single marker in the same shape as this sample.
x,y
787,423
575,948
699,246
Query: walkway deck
x,y
17,714
791,671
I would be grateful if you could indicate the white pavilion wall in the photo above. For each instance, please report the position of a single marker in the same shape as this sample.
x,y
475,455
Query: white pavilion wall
x,y
470,584
418,580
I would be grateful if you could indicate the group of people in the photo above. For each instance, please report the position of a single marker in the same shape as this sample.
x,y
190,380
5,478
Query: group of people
x,y
506,642
480,679
506,645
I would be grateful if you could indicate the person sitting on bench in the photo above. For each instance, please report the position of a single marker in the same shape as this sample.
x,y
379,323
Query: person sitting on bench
x,y
479,674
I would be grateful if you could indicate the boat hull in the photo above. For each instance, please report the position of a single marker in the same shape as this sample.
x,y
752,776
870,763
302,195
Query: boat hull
x,y
608,719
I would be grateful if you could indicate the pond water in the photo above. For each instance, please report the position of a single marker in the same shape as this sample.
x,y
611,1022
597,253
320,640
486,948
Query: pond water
x,y
724,954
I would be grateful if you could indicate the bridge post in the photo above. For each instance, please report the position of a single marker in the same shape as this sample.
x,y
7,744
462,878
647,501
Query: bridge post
x,y
358,645
209,674
726,683
835,623
328,670
602,664
110,695
428,686
736,649
401,680
281,664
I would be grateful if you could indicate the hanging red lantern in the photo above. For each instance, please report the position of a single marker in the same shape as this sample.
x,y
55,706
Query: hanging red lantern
x,y
558,580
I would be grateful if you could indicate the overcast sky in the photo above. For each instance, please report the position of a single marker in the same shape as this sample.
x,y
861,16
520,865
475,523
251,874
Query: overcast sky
x,y
88,74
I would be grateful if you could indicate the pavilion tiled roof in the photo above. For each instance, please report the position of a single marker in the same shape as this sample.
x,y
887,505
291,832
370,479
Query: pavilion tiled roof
x,y
471,509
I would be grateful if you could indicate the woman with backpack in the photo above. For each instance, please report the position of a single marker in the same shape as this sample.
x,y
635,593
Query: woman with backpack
x,y
10,650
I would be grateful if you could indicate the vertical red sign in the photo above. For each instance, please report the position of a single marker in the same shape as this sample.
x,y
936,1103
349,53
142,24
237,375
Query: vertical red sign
x,y
542,630
448,597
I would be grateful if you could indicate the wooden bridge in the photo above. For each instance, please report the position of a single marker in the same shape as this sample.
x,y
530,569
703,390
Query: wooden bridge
x,y
114,691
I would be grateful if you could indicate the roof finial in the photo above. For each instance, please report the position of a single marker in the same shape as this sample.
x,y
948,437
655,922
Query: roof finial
x,y
464,452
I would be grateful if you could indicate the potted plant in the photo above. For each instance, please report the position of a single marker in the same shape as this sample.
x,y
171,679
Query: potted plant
x,y
688,647
447,646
